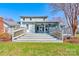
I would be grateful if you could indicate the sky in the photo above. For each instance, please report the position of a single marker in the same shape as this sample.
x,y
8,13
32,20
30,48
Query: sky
x,y
15,10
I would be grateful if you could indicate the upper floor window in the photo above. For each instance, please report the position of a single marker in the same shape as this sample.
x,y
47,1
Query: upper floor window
x,y
30,19
23,19
45,19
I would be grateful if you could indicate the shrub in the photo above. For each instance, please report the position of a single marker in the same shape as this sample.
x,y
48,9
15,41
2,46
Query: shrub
x,y
71,40
5,37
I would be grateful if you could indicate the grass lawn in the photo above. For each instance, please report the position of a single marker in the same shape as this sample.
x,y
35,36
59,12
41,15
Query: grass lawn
x,y
38,49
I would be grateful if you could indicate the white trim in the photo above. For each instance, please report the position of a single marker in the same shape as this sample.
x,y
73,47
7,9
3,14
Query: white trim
x,y
13,31
18,29
17,36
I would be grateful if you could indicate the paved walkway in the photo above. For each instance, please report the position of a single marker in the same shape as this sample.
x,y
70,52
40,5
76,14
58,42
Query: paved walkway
x,y
37,37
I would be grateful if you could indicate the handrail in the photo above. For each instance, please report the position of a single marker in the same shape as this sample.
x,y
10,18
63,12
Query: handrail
x,y
17,33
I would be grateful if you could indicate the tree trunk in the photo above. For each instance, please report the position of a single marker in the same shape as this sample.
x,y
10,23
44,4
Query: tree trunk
x,y
74,26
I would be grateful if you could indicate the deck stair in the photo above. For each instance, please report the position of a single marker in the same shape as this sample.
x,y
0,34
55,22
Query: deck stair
x,y
36,37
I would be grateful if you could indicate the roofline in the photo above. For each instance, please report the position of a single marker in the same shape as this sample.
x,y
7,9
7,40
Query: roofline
x,y
42,22
33,16
8,23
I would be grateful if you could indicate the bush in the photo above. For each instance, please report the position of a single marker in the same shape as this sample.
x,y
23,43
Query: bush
x,y
5,37
71,40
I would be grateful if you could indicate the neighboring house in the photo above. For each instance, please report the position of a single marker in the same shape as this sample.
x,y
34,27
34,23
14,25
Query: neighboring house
x,y
10,25
1,25
38,24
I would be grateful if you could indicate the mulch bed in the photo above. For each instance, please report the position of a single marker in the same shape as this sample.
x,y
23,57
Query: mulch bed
x,y
71,40
5,40
4,37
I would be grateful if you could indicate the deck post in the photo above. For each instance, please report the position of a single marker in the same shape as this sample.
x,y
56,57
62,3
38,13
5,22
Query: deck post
x,y
12,32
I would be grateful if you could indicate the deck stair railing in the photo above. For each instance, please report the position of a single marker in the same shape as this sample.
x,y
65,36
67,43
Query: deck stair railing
x,y
17,33
56,32
66,32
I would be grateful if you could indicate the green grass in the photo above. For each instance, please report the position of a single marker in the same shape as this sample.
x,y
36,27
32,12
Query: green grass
x,y
38,49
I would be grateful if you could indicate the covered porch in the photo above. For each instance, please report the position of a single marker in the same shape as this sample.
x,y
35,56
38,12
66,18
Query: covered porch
x,y
41,27
45,27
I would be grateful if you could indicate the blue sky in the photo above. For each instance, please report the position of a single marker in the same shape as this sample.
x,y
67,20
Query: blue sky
x,y
15,10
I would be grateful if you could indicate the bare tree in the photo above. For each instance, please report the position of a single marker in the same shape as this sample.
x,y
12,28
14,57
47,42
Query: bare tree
x,y
71,11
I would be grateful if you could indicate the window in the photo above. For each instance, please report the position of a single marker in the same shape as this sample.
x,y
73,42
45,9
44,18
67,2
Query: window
x,y
49,25
30,19
23,19
44,19
27,26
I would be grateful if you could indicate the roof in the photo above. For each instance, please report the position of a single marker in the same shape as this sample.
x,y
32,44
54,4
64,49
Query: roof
x,y
1,17
10,22
41,21
47,21
33,16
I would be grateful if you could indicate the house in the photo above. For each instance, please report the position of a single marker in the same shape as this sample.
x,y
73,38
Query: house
x,y
38,24
11,27
30,24
8,25
1,25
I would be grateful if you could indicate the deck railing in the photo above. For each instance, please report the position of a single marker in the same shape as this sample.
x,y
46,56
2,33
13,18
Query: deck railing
x,y
66,32
56,32
17,33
